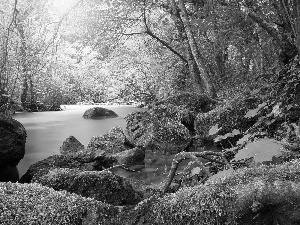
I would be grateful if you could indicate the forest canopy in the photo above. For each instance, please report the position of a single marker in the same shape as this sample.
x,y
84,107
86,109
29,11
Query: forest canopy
x,y
64,52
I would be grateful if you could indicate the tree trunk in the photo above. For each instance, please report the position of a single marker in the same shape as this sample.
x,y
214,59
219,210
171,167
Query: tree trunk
x,y
288,49
24,72
194,73
195,51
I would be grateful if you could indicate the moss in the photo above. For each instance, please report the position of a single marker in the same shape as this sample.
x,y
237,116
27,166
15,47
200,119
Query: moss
x,y
36,204
103,186
249,196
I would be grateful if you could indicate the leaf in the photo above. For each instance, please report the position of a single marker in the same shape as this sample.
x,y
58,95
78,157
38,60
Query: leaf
x,y
253,112
225,136
214,129
269,122
243,139
262,150
256,91
276,110
195,171
221,174
219,138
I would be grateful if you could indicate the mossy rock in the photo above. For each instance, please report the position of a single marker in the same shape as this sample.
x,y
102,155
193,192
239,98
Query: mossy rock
x,y
139,128
183,107
131,156
84,160
12,141
99,113
37,204
112,142
103,186
70,146
263,195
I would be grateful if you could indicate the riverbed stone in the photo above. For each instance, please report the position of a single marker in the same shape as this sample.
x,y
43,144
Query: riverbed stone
x,y
139,128
170,136
103,186
12,141
183,107
112,142
99,113
83,160
70,146
130,157
163,134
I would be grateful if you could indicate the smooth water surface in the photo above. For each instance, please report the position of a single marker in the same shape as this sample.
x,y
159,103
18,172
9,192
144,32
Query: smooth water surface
x,y
46,131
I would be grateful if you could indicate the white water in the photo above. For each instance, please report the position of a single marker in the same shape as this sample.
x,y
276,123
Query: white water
x,y
46,131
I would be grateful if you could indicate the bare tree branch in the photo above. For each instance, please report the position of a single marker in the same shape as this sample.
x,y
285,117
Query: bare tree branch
x,y
191,155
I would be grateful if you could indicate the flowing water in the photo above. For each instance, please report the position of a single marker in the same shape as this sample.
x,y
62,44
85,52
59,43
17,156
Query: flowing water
x,y
46,132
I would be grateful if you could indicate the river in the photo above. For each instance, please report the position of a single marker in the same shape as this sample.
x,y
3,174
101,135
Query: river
x,y
46,132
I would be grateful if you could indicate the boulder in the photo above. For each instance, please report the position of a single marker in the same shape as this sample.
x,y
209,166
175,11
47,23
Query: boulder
x,y
12,141
263,195
170,136
70,146
99,113
183,107
103,186
84,160
152,131
130,157
113,142
37,204
139,128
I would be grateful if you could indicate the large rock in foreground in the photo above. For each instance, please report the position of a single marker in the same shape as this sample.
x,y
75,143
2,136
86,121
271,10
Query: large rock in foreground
x,y
99,113
12,141
37,204
264,195
84,160
103,186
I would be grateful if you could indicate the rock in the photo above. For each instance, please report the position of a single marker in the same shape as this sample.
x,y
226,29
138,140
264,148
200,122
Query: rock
x,y
9,174
84,160
99,113
12,141
103,186
159,134
260,195
170,136
139,128
113,142
131,156
37,204
71,145
183,107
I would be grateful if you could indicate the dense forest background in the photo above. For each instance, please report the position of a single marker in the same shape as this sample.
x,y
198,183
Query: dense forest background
x,y
64,52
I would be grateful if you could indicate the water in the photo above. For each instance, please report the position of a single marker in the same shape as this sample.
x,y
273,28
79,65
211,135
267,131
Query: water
x,y
46,132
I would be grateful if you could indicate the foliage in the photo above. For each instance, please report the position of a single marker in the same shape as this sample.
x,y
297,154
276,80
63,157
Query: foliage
x,y
262,151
